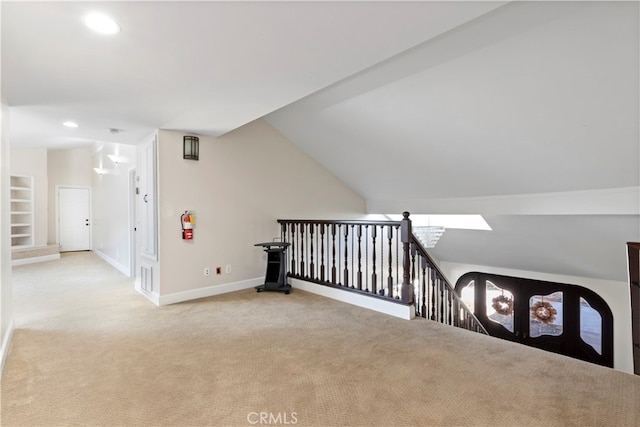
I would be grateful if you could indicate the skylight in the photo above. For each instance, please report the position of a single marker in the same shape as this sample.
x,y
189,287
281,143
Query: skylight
x,y
101,23
462,222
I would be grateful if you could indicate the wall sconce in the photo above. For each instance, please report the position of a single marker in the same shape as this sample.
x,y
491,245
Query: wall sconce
x,y
190,147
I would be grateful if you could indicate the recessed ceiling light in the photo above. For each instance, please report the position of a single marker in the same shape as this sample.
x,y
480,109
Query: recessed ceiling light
x,y
70,124
101,23
118,159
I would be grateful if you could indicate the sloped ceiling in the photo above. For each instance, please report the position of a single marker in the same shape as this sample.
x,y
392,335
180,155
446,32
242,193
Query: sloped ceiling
x,y
528,115
525,112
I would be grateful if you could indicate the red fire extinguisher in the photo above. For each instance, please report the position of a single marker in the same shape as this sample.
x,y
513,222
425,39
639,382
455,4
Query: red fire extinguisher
x,y
187,220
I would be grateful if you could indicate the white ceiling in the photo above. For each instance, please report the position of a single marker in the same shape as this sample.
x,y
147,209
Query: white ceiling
x,y
205,67
434,107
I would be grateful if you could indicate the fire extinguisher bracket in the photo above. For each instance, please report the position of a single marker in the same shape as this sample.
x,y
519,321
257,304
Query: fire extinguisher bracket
x,y
187,221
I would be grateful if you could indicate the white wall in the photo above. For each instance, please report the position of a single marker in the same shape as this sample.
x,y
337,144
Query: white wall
x,y
616,294
33,162
243,182
6,297
70,167
110,204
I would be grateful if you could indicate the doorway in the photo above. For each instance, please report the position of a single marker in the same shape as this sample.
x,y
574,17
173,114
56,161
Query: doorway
x,y
556,317
74,218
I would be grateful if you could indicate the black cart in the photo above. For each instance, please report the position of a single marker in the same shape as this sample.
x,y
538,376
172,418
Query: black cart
x,y
276,276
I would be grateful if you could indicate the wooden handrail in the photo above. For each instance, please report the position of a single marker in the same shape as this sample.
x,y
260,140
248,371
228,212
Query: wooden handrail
x,y
633,251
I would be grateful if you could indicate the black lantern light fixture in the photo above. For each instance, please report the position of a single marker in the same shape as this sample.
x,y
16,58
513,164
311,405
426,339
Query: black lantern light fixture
x,y
190,147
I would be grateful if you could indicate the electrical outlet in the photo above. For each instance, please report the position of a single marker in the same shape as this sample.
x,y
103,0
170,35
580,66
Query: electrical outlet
x,y
207,272
227,268
218,270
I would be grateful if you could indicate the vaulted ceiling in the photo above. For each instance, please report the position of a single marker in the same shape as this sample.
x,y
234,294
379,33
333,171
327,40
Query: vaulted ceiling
x,y
524,112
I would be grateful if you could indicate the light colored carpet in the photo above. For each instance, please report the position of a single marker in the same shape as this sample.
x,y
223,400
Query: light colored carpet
x,y
88,350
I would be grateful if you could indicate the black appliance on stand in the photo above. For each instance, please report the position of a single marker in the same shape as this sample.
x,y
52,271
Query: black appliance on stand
x,y
276,276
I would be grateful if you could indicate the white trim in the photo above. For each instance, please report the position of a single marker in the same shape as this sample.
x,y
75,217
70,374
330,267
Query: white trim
x,y
210,291
155,299
402,311
612,201
35,259
132,221
6,343
151,185
115,264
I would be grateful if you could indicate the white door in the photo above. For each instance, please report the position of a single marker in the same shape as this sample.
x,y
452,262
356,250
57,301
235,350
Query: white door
x,y
74,221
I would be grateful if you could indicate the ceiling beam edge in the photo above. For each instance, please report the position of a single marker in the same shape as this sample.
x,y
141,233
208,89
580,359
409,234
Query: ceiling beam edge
x,y
615,201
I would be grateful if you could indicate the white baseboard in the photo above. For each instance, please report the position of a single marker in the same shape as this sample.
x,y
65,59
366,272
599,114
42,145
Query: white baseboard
x,y
6,343
391,308
387,307
35,259
115,264
151,297
209,291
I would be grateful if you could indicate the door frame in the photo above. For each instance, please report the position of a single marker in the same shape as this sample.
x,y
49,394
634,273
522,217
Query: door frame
x,y
57,219
133,185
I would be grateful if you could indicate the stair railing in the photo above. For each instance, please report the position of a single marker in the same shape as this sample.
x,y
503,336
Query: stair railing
x,y
359,256
382,259
436,298
633,252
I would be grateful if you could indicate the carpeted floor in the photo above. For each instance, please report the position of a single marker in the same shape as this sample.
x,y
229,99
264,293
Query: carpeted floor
x,y
88,350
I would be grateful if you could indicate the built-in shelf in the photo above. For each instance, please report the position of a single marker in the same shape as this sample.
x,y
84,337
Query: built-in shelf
x,y
21,211
21,246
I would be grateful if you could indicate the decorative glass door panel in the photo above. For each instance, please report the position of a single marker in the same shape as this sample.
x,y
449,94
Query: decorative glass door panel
x,y
590,326
545,315
495,304
499,306
467,295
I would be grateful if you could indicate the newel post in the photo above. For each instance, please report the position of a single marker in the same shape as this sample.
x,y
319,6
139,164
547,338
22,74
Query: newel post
x,y
406,289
